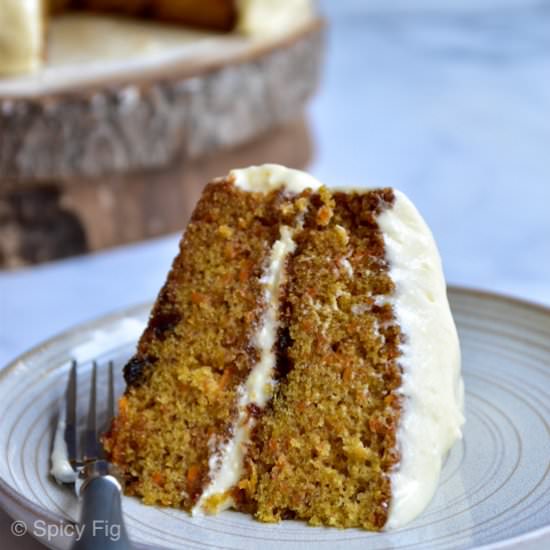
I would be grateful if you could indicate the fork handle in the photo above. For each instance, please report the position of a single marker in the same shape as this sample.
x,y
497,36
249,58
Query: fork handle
x,y
101,522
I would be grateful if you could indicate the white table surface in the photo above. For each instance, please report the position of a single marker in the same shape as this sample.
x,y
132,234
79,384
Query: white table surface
x,y
450,105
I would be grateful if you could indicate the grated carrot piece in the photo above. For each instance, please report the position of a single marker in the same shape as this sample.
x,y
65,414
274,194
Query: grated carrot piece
x,y
197,297
123,406
158,478
193,474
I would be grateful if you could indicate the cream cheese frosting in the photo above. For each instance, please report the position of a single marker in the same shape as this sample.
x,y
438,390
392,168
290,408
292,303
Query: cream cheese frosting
x,y
61,468
272,16
432,386
21,35
269,177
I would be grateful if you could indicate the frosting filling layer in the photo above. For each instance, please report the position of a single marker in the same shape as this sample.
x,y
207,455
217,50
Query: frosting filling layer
x,y
227,463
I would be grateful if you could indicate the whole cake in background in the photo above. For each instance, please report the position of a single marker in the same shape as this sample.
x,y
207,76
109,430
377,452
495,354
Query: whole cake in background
x,y
24,23
301,360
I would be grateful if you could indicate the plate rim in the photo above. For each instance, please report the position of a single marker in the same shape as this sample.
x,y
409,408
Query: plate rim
x,y
7,493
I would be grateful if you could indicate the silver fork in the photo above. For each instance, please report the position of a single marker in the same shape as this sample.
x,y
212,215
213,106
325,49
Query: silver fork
x,y
97,483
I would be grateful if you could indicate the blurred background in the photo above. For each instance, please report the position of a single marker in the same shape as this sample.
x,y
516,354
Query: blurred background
x,y
447,101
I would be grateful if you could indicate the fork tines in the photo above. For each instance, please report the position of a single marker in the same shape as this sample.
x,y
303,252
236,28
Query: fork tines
x,y
91,447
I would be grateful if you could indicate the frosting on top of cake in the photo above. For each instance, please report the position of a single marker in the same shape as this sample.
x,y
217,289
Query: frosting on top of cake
x,y
432,386
272,16
21,35
268,177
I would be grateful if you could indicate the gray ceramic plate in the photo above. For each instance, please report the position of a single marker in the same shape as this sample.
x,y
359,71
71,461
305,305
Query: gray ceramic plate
x,y
495,486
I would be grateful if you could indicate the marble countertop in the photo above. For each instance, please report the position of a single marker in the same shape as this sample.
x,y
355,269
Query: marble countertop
x,y
452,106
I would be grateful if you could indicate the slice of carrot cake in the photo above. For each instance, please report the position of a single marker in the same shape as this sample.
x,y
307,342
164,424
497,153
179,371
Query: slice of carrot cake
x,y
301,360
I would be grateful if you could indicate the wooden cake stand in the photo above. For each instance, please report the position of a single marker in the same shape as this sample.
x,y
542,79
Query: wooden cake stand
x,y
99,149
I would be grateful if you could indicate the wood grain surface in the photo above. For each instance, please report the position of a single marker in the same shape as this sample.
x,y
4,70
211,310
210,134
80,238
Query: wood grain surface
x,y
147,120
46,221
